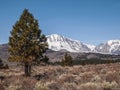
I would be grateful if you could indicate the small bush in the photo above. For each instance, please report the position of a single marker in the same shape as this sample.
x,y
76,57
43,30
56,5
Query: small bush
x,y
67,78
90,86
69,86
53,85
109,86
40,86
96,79
14,87
111,75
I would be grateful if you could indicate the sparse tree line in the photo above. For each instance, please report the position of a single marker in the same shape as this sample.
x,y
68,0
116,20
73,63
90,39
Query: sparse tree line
x,y
69,61
94,61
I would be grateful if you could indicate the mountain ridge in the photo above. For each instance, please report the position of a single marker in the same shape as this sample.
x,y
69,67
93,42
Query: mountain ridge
x,y
58,42
61,43
102,51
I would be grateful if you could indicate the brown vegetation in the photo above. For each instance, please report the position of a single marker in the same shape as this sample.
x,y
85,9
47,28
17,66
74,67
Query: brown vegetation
x,y
88,77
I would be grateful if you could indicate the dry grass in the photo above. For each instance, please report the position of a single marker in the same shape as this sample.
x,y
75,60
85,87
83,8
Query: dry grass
x,y
88,77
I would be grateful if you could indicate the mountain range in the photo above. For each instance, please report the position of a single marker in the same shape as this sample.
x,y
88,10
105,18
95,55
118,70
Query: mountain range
x,y
58,45
58,42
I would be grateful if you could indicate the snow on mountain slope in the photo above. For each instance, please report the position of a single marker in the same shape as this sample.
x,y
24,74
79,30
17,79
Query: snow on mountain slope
x,y
114,45
111,46
91,47
57,42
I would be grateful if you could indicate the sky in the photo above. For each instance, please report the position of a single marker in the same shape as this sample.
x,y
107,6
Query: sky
x,y
90,21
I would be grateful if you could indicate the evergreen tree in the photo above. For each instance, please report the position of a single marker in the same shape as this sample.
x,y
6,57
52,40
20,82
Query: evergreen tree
x,y
67,61
26,43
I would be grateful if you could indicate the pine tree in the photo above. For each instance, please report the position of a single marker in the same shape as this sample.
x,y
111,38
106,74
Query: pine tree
x,y
26,43
67,60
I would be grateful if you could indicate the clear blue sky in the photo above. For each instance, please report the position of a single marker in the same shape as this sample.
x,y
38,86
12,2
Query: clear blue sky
x,y
90,21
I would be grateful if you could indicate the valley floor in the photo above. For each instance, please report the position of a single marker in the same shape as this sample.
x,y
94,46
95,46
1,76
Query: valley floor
x,y
88,77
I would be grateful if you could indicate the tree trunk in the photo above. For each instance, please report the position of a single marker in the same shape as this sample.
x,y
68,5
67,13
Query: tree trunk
x,y
27,70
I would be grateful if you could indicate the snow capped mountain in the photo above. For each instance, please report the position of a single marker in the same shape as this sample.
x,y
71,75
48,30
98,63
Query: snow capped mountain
x,y
57,42
111,46
91,47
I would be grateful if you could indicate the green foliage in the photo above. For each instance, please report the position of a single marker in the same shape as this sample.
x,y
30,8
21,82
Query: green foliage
x,y
67,61
26,43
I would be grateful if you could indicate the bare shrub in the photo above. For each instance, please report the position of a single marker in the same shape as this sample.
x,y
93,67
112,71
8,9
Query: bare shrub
x,y
108,85
52,85
89,86
112,76
78,79
67,78
40,86
86,76
14,87
103,71
28,83
2,87
96,79
69,86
